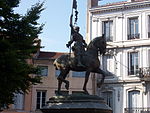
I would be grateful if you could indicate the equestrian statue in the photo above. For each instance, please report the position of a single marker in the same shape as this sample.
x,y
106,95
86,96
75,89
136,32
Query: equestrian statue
x,y
89,59
85,57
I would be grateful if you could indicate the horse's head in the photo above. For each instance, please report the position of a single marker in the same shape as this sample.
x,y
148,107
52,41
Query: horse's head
x,y
100,43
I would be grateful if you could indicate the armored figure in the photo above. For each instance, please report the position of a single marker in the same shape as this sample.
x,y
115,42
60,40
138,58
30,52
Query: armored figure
x,y
79,43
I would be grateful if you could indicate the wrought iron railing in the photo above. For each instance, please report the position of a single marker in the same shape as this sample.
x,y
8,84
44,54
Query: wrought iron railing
x,y
137,110
133,36
133,72
144,72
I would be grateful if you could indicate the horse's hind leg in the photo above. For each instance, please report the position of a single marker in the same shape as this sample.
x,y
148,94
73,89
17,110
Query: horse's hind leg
x,y
59,86
61,78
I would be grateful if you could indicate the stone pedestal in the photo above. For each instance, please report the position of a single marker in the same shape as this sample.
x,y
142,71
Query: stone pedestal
x,y
76,103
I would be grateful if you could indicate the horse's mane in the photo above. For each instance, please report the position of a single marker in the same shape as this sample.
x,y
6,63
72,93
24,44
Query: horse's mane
x,y
93,41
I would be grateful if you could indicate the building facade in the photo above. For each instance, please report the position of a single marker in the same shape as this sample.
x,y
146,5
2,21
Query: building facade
x,y
126,26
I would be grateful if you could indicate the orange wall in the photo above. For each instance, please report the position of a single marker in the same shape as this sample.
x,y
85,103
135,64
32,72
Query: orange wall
x,y
50,82
50,85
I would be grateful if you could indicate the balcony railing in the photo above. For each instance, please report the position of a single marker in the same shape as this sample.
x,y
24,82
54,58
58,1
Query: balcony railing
x,y
144,73
133,36
137,110
133,72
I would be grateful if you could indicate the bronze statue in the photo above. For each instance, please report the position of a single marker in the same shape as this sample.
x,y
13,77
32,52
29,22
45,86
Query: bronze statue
x,y
79,45
89,59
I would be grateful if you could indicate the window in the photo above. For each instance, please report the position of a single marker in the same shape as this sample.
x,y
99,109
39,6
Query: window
x,y
108,63
108,97
133,63
108,30
57,72
133,28
41,99
149,26
78,74
43,70
18,101
134,99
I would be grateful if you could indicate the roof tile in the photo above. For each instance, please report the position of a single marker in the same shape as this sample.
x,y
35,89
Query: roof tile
x,y
49,55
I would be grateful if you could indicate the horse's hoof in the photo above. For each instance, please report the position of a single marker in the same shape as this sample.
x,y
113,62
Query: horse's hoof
x,y
67,86
86,92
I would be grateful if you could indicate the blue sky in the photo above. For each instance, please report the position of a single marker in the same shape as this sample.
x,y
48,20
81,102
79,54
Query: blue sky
x,y
56,32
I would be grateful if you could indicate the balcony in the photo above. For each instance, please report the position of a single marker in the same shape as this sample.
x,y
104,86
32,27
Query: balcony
x,y
144,73
137,110
133,36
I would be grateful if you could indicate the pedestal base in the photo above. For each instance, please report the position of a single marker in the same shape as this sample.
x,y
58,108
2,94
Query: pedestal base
x,y
76,103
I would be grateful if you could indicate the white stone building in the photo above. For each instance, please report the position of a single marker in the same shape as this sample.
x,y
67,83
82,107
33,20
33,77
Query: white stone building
x,y
126,26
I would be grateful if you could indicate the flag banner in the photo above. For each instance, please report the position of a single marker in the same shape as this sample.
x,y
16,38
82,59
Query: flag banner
x,y
74,4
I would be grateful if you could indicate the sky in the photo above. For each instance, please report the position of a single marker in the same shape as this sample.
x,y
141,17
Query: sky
x,y
56,17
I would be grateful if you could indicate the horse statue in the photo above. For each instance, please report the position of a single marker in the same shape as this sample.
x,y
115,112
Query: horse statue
x,y
90,59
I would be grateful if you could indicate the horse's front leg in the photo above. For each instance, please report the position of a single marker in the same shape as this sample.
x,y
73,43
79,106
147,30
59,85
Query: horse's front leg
x,y
86,81
103,76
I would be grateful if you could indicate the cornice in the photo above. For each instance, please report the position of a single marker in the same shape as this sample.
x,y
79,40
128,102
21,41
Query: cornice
x,y
121,7
129,44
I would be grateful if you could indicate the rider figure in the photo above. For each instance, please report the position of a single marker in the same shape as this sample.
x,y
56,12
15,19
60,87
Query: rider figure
x,y
79,45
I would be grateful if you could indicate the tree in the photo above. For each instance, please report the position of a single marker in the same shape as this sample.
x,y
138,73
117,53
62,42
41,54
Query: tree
x,y
18,43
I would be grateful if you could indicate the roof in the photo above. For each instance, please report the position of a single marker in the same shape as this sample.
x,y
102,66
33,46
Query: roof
x,y
114,3
49,55
120,3
119,6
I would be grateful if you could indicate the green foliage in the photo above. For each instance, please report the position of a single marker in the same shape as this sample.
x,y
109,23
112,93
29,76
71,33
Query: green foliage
x,y
18,42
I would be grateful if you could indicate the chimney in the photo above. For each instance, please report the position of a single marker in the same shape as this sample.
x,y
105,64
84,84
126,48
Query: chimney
x,y
92,3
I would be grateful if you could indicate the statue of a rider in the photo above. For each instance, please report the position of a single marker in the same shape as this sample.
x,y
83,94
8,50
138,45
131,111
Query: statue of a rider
x,y
79,43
